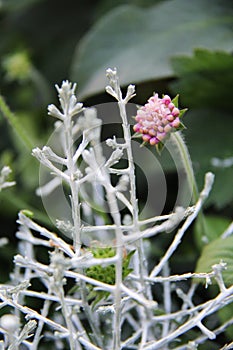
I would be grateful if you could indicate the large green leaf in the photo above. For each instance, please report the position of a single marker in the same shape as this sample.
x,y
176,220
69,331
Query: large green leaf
x,y
141,41
209,136
14,5
214,227
205,83
214,252
205,79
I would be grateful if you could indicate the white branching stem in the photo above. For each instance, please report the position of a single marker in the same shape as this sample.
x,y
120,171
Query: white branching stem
x,y
116,289
33,314
177,240
139,264
44,313
114,210
214,305
167,300
131,169
74,197
133,197
66,311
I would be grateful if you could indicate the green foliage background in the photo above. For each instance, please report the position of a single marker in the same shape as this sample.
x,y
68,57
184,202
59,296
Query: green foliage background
x,y
167,46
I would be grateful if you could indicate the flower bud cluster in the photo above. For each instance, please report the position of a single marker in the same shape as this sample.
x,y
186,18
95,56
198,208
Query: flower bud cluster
x,y
157,119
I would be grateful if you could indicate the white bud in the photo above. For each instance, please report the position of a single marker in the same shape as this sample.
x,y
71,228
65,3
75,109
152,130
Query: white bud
x,y
111,73
130,92
115,157
77,108
127,220
3,241
110,91
131,89
5,171
123,183
111,142
36,152
10,323
87,156
54,111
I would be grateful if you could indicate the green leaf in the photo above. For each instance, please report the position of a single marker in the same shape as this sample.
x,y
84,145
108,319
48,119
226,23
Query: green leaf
x,y
160,146
182,112
15,5
97,296
175,100
105,274
209,136
125,266
214,227
12,201
205,84
128,36
181,127
219,249
27,213
205,79
17,126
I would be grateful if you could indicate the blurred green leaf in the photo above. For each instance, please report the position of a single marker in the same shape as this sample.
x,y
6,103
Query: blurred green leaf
x,y
14,5
205,85
209,136
214,252
105,5
19,129
205,79
141,41
13,201
214,227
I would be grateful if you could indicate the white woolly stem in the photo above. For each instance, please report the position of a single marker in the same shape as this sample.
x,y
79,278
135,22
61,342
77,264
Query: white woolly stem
x,y
177,240
75,206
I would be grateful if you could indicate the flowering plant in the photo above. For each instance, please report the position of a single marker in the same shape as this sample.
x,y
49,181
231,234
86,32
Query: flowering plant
x,y
96,288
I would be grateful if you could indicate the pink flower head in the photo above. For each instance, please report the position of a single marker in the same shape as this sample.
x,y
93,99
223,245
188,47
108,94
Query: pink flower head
x,y
157,119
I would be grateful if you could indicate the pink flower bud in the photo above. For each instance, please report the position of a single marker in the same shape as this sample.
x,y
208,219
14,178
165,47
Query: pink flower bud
x,y
160,129
176,123
156,119
136,128
153,141
175,112
171,106
170,118
166,99
152,132
146,138
167,128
